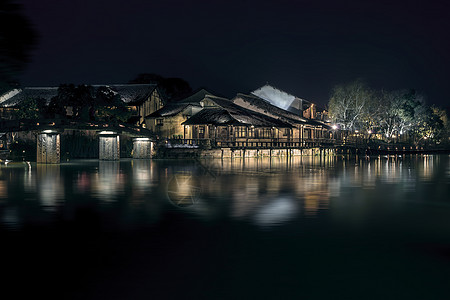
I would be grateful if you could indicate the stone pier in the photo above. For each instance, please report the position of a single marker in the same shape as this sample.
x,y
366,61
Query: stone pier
x,y
48,147
142,148
109,145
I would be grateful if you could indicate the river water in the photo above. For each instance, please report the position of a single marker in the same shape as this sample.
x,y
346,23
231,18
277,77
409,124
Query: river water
x,y
256,228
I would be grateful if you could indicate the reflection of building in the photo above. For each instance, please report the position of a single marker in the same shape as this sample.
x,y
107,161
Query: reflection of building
x,y
183,189
107,183
50,187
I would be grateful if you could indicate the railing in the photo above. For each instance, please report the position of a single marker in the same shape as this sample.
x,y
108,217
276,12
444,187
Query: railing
x,y
250,144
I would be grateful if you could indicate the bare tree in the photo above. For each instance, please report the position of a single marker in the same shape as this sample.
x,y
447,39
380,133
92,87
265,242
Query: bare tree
x,y
349,104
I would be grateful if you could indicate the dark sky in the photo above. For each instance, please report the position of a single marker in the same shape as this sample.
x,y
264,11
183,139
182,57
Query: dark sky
x,y
302,47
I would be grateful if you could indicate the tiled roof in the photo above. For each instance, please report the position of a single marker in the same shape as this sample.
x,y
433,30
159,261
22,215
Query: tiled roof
x,y
258,103
196,97
129,93
170,109
132,93
229,113
46,93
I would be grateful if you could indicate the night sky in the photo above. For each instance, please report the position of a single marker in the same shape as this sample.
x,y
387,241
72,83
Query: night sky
x,y
302,47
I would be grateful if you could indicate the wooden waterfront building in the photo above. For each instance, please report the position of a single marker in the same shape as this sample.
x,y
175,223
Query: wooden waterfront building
x,y
167,121
306,132
225,124
142,100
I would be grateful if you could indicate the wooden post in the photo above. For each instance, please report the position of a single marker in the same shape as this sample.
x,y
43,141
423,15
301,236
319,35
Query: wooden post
x,y
48,147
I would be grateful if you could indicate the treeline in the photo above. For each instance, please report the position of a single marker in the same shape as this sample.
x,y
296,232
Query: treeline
x,y
355,107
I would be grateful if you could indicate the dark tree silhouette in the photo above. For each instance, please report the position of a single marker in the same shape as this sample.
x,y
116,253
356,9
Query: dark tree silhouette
x,y
80,98
17,39
171,88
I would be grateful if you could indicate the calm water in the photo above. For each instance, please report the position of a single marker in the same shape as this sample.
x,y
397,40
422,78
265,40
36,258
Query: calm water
x,y
303,228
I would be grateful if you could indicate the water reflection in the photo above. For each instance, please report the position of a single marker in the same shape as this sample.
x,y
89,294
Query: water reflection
x,y
183,189
277,211
108,181
3,190
50,188
263,191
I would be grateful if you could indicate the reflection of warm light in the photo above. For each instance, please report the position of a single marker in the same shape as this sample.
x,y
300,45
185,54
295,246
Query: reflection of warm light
x,y
428,166
3,189
183,190
315,201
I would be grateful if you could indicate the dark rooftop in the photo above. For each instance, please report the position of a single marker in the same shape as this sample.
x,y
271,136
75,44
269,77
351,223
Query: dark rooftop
x,y
170,109
129,93
196,97
229,113
275,111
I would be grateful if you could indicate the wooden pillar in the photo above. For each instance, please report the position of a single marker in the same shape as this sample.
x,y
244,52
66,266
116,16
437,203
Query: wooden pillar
x,y
48,147
109,145
142,148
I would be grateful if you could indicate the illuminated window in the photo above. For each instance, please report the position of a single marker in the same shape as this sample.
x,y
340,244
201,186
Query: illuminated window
x,y
240,131
251,132
160,122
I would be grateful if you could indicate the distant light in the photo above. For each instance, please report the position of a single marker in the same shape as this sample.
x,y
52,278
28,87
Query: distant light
x,y
142,139
334,127
369,132
356,131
